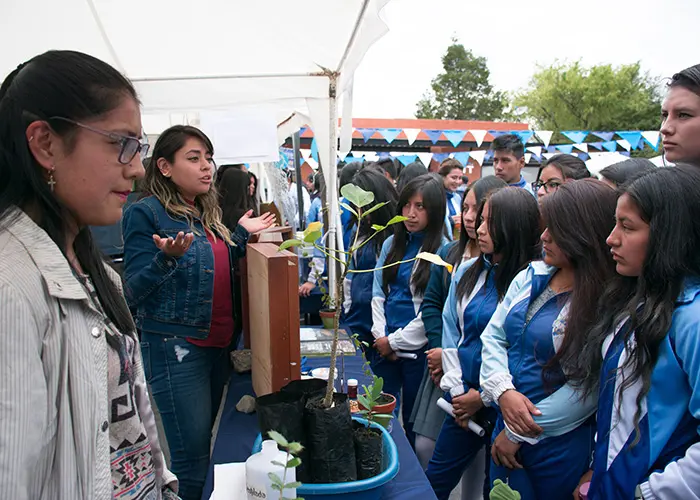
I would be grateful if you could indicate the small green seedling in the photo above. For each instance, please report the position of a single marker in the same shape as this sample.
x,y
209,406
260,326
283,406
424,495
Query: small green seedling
x,y
501,491
292,449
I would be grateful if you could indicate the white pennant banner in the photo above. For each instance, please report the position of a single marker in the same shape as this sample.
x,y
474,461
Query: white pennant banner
x,y
536,150
545,135
371,157
652,137
549,155
528,157
582,147
478,156
479,136
312,163
305,153
625,144
425,158
411,134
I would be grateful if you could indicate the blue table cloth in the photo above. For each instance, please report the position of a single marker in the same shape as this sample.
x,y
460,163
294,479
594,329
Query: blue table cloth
x,y
237,432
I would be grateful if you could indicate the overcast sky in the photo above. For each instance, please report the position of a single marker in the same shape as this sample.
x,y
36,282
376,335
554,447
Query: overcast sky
x,y
516,35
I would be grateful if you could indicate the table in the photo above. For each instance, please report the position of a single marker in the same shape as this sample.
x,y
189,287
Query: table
x,y
237,432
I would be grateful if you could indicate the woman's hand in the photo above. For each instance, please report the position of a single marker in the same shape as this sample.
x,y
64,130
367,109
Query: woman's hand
x,y
517,412
256,224
503,452
468,404
305,289
382,346
174,247
584,479
434,359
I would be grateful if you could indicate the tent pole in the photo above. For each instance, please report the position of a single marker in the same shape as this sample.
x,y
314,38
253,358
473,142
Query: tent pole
x,y
296,141
332,183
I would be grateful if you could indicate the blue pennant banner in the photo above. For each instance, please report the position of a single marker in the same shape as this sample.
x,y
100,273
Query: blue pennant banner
x,y
462,157
390,133
302,130
489,155
367,133
610,146
455,136
433,135
597,145
576,136
565,148
552,149
314,149
583,156
606,136
440,157
626,153
498,133
634,138
407,159
384,154
353,159
525,135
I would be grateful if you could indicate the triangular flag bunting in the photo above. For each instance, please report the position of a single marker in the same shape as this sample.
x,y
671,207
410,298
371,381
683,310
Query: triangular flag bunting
x,y
625,144
367,133
634,138
305,153
390,134
583,156
652,137
552,149
302,130
597,145
371,157
434,135
606,136
549,155
425,158
575,136
582,147
440,157
411,134
489,155
478,156
527,156
479,136
462,157
525,135
407,159
625,153
610,146
312,163
455,136
384,154
498,133
565,148
314,149
535,150
545,136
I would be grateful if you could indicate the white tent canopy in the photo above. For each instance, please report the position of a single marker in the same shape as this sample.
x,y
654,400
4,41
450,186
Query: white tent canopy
x,y
187,57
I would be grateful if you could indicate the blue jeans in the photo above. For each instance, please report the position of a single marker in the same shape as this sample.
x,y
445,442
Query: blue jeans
x,y
402,374
552,468
187,382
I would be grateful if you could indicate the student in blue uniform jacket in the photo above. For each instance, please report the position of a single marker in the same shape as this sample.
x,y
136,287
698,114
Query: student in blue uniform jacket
x,y
357,306
398,288
547,312
648,370
427,417
509,238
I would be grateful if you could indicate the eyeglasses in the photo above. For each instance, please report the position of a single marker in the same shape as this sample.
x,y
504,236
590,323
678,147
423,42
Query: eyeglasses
x,y
549,186
129,146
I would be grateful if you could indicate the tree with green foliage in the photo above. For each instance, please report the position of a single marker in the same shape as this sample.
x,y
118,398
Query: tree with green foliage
x,y
573,97
462,91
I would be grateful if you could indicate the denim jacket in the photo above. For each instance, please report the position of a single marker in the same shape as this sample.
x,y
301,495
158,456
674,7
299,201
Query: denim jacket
x,y
168,295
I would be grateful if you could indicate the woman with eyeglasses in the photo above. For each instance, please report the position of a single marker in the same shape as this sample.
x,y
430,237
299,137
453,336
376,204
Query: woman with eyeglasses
x,y
558,170
178,272
75,417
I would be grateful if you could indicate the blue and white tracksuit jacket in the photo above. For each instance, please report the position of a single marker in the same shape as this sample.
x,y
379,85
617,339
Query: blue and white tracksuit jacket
x,y
357,304
453,207
665,463
523,184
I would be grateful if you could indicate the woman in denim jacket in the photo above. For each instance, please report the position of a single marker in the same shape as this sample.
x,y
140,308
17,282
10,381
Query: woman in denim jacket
x,y
178,262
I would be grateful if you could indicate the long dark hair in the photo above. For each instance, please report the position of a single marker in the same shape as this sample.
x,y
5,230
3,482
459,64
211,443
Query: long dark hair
x,y
409,173
70,85
571,167
621,172
668,199
371,180
579,216
482,188
234,196
515,228
430,186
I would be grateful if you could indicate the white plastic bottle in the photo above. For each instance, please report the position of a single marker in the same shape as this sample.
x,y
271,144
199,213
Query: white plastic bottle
x,y
257,468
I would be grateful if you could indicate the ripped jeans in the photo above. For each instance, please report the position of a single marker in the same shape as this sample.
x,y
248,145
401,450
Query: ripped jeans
x,y
187,382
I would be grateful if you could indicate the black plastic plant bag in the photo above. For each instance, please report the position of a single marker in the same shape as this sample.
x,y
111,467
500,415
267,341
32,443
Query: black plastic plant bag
x,y
368,451
309,388
331,445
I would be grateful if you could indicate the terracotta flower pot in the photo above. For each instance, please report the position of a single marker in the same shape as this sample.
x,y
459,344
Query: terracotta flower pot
x,y
385,408
328,318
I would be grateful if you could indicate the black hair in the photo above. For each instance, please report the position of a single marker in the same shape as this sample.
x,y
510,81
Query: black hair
x,y
688,79
78,87
317,182
388,165
347,173
384,192
668,199
580,216
624,171
514,226
482,188
409,173
510,143
234,196
430,186
571,167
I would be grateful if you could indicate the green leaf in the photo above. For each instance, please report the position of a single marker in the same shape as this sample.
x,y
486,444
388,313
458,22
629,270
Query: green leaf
x,y
311,237
378,228
362,413
349,209
278,438
288,244
396,220
374,208
356,195
278,464
275,479
294,462
314,227
364,401
294,485
435,259
378,385
366,390
295,448
383,417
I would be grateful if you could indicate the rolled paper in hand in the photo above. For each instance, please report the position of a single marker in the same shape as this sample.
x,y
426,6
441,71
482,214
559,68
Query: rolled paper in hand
x,y
471,425
406,355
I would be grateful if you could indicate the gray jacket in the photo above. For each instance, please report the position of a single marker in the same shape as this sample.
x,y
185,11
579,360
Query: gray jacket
x,y
54,432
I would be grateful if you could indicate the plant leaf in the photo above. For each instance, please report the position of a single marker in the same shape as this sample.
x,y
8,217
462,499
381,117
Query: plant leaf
x,y
278,464
378,384
289,243
295,485
294,462
396,219
386,417
435,259
356,195
349,209
275,479
314,227
374,208
295,448
378,228
311,237
278,438
364,401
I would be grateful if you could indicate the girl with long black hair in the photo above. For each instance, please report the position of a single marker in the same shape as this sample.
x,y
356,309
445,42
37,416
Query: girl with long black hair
x,y
398,289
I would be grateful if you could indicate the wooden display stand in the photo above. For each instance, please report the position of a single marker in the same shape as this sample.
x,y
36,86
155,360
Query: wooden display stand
x,y
273,313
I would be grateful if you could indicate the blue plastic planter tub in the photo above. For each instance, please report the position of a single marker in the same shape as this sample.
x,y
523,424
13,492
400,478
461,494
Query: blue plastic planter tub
x,y
367,489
